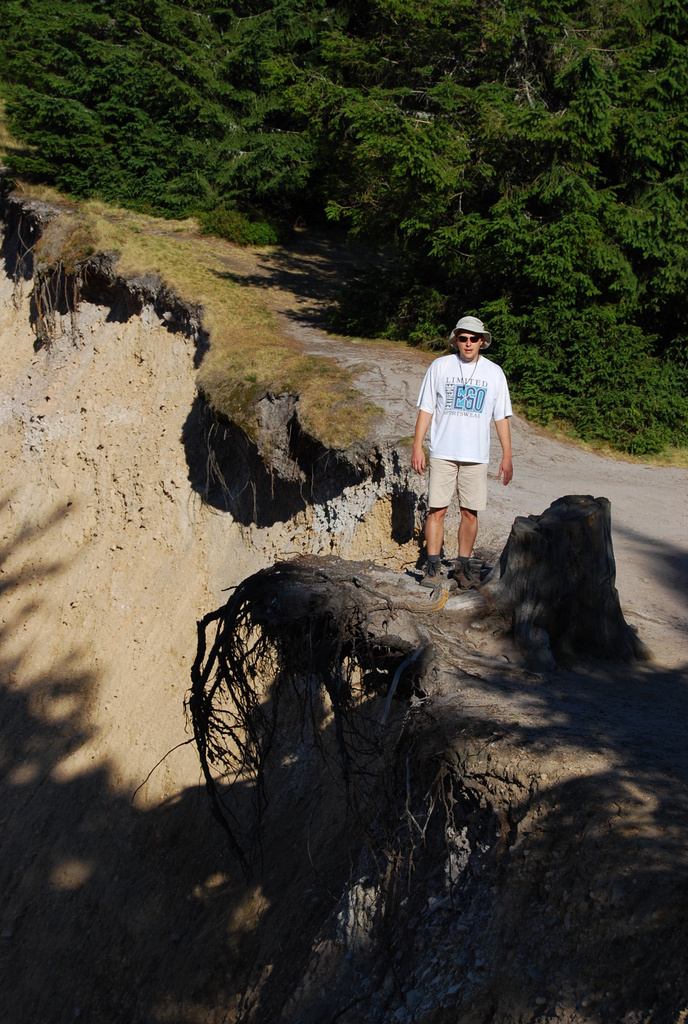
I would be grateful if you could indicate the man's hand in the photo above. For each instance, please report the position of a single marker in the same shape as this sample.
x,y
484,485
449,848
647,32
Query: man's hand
x,y
506,470
418,455
418,459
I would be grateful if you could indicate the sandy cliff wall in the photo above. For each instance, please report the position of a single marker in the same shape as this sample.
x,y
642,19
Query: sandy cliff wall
x,y
109,495
110,554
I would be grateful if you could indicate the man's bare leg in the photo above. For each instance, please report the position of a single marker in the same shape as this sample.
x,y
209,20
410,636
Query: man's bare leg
x,y
434,530
468,531
434,536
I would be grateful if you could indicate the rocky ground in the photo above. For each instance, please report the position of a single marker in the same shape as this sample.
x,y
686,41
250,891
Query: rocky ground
x,y
119,899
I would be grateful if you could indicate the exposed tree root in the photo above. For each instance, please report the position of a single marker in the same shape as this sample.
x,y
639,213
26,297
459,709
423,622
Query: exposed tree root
x,y
297,647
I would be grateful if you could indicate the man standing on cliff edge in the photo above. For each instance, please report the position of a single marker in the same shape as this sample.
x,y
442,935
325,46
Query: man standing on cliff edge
x,y
460,395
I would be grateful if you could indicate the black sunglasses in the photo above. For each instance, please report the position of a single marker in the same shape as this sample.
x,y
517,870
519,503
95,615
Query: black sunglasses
x,y
469,337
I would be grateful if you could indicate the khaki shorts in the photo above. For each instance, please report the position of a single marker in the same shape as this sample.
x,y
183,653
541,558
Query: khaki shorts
x,y
468,479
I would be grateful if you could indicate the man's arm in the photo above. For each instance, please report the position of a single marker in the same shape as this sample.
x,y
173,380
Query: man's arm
x,y
418,455
506,469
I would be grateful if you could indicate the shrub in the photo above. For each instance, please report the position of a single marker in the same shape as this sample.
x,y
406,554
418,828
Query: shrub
x,y
238,228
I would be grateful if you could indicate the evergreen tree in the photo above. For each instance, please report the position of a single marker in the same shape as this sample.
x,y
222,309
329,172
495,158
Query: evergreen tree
x,y
528,163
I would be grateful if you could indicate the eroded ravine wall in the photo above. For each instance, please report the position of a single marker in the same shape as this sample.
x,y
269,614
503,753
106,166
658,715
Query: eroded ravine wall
x,y
110,498
111,552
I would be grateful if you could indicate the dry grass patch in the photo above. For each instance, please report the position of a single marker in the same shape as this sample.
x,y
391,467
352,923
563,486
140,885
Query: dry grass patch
x,y
65,243
249,355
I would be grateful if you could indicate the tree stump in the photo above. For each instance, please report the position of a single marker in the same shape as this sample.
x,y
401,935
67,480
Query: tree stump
x,y
557,575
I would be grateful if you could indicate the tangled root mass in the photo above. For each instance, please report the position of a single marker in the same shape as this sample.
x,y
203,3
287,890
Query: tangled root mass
x,y
297,649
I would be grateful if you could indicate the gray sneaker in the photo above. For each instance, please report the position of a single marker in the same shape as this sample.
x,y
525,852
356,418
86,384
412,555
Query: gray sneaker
x,y
432,575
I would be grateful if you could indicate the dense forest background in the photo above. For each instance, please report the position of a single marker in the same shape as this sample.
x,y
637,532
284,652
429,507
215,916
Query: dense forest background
x,y
523,161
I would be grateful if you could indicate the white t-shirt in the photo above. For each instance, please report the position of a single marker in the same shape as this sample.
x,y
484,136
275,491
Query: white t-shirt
x,y
463,398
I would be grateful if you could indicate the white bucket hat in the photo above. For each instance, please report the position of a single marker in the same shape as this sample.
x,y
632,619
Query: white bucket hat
x,y
475,326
